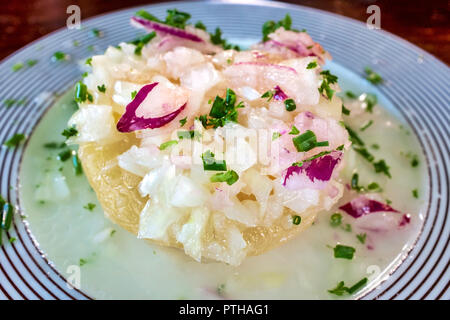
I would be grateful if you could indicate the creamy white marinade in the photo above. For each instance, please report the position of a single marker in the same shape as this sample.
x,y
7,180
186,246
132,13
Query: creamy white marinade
x,y
307,259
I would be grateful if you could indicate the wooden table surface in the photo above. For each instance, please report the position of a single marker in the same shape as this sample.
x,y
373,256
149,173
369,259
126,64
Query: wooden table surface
x,y
422,22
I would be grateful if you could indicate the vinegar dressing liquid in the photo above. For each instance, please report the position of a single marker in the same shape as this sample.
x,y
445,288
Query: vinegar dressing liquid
x,y
68,223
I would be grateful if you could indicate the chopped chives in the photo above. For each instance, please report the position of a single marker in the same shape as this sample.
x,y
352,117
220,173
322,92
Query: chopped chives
x,y
341,288
183,121
290,105
345,110
89,206
78,169
357,286
415,193
7,215
350,95
69,132
307,141
211,164
294,130
366,125
296,220
17,66
64,155
81,92
268,94
343,252
58,56
167,144
365,154
31,62
229,177
335,219
354,138
372,76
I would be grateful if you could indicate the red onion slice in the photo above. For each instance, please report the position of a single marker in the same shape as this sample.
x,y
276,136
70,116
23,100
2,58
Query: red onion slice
x,y
318,169
159,27
279,94
131,122
362,205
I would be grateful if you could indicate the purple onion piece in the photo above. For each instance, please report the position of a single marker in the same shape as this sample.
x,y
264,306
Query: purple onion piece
x,y
320,168
130,122
362,205
279,94
159,27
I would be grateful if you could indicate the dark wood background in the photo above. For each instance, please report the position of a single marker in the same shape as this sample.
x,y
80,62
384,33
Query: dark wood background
x,y
422,22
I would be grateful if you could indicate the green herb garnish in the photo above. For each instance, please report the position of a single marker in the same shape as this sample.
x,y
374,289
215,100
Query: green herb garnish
x,y
343,252
64,155
82,262
366,125
142,41
167,144
96,33
216,38
191,134
14,141
294,130
69,132
133,94
341,288
268,94
364,153
372,76
229,177
382,167
211,164
183,121
351,95
345,110
16,67
223,110
58,56
290,105
270,26
361,237
102,88
354,138
370,100
327,80
312,65
89,61
335,219
89,206
415,193
81,92
275,135
7,216
78,169
296,220
31,62
307,141
54,145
